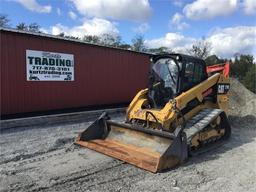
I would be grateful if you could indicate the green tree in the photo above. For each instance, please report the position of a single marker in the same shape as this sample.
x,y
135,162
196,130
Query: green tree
x,y
22,26
34,27
110,40
160,50
213,59
241,65
61,34
125,46
138,43
71,37
200,49
250,79
4,21
244,69
91,39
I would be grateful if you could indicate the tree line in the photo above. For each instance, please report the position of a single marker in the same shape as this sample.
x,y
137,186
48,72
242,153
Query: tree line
x,y
138,42
242,66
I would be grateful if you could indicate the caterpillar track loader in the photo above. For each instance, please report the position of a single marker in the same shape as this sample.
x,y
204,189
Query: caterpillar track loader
x,y
182,113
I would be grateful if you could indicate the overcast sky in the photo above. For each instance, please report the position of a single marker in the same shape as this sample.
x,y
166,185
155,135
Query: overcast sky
x,y
229,25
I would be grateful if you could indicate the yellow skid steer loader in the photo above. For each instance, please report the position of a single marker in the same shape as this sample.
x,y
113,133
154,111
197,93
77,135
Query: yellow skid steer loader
x,y
181,113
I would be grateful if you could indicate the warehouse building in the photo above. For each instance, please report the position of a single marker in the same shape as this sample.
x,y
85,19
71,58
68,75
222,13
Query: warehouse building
x,y
42,73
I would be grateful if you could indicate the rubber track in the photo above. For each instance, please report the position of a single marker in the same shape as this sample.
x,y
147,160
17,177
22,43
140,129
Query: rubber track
x,y
199,123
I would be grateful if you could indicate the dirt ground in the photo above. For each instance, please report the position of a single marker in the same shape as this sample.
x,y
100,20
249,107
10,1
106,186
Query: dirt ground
x,y
44,159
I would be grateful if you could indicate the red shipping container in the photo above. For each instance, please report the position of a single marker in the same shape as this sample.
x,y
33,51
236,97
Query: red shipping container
x,y
102,75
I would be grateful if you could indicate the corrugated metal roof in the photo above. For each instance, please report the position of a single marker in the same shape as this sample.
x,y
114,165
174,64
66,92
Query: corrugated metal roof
x,y
66,39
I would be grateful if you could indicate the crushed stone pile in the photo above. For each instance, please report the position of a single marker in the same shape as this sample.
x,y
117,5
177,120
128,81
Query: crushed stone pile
x,y
242,102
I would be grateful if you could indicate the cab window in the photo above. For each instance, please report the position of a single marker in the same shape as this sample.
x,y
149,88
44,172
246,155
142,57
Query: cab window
x,y
193,75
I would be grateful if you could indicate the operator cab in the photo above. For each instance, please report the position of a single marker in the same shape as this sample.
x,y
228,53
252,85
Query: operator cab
x,y
172,74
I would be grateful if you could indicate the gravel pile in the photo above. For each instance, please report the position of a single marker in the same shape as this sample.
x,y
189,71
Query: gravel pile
x,y
242,102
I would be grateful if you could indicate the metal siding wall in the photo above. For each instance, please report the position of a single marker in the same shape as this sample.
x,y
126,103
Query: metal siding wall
x,y
102,75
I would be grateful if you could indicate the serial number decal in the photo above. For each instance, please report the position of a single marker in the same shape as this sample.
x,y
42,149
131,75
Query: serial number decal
x,y
223,88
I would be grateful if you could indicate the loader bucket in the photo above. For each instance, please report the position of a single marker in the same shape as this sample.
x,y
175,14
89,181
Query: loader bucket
x,y
145,148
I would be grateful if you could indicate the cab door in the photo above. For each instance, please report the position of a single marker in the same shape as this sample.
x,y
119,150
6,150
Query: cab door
x,y
194,72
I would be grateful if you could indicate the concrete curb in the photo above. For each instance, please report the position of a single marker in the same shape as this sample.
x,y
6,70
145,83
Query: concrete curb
x,y
57,119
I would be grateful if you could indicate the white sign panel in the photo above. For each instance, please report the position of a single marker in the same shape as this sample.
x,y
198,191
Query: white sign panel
x,y
49,66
